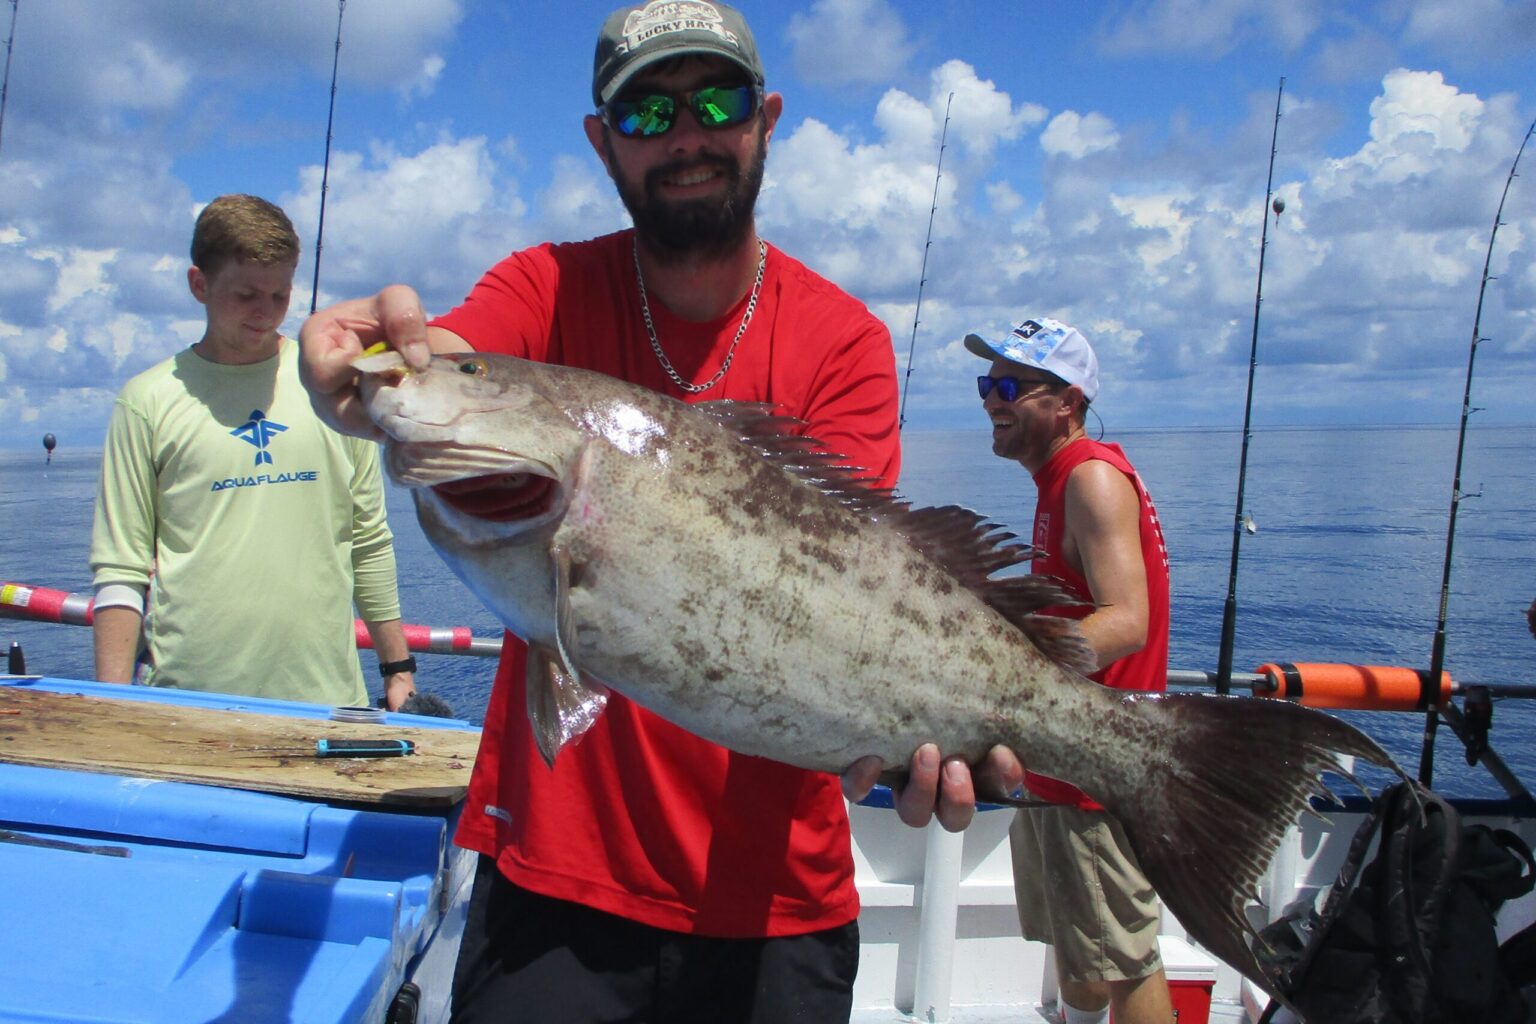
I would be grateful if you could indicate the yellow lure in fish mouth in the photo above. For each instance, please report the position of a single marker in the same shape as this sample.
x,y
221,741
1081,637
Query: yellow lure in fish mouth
x,y
380,359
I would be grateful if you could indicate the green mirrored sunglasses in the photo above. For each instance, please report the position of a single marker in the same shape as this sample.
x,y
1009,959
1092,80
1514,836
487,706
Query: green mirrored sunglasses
x,y
715,106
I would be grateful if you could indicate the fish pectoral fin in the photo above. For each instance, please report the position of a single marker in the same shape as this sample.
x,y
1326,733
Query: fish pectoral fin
x,y
561,707
565,626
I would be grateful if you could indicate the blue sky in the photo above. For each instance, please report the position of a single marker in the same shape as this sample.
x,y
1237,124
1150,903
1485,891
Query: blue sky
x,y
1105,164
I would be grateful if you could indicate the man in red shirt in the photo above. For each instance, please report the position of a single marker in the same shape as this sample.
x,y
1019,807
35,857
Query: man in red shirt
x,y
650,874
1076,878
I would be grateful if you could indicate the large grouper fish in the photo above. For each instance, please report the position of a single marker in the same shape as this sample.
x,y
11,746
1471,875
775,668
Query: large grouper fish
x,y
709,563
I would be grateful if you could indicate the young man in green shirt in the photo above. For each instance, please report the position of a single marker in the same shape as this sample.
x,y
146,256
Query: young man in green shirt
x,y
233,528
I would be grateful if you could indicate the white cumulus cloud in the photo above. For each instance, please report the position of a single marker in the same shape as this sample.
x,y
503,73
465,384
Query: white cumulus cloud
x,y
1075,135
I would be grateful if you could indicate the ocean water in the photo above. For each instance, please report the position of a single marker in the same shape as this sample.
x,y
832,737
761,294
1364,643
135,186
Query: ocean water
x,y
1345,565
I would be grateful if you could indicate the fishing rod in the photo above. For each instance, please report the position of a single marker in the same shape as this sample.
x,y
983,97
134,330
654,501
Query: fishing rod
x,y
1239,521
325,168
1437,654
922,276
5,83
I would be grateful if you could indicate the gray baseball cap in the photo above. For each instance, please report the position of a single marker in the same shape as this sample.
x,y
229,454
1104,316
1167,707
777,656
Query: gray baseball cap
x,y
634,38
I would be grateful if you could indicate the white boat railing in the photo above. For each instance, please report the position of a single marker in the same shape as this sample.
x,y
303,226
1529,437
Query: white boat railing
x,y
940,937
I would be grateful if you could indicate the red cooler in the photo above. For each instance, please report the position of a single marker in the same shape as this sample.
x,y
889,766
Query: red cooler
x,y
1191,977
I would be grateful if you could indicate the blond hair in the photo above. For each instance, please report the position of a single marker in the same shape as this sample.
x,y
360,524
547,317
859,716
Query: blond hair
x,y
241,227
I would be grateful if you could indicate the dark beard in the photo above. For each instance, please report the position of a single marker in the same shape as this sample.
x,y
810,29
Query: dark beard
x,y
698,229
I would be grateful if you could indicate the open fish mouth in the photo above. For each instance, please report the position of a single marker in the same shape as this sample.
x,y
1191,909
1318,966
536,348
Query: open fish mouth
x,y
499,497
484,482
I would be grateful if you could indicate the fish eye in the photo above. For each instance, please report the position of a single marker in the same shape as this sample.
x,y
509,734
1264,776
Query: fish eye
x,y
475,367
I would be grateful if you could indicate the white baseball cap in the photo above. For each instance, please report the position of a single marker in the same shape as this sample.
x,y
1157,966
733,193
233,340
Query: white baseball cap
x,y
1048,345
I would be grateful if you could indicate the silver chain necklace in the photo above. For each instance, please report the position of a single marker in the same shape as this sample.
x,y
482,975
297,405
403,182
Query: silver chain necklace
x,y
746,318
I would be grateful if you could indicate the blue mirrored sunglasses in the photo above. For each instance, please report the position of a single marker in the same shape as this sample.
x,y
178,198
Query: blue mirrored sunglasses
x,y
1009,388
715,106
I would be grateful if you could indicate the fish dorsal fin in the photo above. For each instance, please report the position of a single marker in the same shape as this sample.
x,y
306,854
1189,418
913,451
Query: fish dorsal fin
x,y
776,437
973,548
964,543
1060,639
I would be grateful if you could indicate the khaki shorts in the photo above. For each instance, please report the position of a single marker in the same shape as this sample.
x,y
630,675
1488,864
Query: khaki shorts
x,y
1079,888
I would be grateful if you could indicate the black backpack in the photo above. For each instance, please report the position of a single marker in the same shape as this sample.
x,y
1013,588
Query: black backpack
x,y
1410,939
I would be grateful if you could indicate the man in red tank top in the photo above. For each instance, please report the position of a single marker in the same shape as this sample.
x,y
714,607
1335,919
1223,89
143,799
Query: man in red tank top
x,y
1076,878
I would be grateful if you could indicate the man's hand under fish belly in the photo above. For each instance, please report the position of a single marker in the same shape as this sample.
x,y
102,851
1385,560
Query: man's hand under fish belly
x,y
946,790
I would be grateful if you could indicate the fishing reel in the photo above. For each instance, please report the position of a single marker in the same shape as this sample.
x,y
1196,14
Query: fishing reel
x,y
1477,713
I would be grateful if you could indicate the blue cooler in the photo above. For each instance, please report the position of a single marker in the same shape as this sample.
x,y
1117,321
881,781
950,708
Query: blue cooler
x,y
127,899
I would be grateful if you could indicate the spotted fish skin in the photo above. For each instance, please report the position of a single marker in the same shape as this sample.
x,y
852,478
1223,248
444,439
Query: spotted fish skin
x,y
711,565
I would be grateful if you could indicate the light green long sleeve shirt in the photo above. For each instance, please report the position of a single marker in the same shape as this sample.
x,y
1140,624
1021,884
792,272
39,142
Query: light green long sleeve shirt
x,y
255,526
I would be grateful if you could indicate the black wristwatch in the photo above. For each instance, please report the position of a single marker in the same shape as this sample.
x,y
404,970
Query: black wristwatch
x,y
389,668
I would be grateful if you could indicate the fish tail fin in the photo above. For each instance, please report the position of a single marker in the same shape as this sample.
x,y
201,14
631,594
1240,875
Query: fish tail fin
x,y
1206,823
